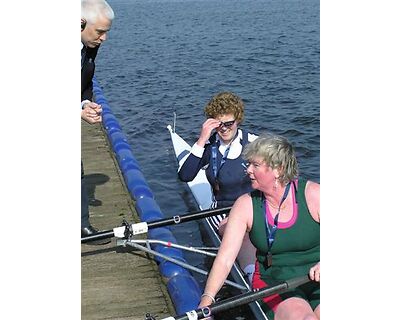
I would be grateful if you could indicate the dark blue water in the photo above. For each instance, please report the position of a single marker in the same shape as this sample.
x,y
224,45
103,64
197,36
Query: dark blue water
x,y
172,56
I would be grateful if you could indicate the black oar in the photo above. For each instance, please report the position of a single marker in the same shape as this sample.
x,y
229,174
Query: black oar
x,y
239,300
142,227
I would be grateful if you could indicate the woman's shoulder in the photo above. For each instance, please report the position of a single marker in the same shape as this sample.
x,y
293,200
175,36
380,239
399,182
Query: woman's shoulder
x,y
312,187
312,195
243,200
242,205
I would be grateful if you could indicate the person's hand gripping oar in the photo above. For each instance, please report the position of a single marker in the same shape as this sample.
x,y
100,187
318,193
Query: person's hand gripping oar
x,y
238,300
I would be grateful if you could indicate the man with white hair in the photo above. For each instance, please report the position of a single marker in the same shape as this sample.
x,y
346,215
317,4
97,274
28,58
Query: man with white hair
x,y
96,20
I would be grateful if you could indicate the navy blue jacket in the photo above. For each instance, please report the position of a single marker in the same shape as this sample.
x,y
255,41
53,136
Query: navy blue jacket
x,y
232,178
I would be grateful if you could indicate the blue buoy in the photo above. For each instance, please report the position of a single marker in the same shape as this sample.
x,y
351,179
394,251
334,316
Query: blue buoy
x,y
141,191
119,145
105,110
185,293
134,177
118,136
111,124
148,209
171,269
125,155
162,233
182,287
109,117
112,128
101,101
129,164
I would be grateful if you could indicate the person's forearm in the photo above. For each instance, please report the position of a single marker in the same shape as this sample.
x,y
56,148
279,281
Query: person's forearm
x,y
192,165
189,169
218,274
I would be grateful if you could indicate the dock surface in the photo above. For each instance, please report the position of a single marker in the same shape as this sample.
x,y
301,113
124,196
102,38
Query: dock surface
x,y
116,283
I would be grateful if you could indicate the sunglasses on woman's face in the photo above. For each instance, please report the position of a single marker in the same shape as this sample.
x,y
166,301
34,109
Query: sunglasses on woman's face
x,y
227,124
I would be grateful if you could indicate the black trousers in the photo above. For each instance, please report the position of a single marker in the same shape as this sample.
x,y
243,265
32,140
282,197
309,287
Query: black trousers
x,y
84,201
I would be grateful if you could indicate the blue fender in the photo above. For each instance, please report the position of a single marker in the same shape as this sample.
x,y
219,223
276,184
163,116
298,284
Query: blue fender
x,y
182,287
148,209
136,184
170,269
111,124
161,233
105,109
141,191
130,164
119,145
125,155
109,117
134,177
117,136
185,293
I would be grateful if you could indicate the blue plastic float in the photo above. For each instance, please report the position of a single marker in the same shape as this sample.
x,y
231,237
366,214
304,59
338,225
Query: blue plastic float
x,y
183,289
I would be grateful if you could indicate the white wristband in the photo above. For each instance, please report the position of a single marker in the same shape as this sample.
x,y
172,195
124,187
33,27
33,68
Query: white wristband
x,y
208,295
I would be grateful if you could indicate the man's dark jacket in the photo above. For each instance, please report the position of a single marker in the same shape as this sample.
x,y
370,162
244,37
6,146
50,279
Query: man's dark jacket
x,y
87,72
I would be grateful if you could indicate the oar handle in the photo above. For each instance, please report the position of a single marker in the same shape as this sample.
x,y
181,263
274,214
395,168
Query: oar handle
x,y
242,299
295,282
98,236
142,227
257,294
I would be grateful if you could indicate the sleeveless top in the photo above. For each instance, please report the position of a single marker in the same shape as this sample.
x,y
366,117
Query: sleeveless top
x,y
296,247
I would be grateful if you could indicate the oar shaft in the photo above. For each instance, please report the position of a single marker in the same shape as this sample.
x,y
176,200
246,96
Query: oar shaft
x,y
143,226
187,217
180,263
242,299
175,245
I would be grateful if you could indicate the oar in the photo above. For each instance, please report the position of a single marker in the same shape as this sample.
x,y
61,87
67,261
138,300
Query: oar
x,y
238,300
178,262
143,227
172,245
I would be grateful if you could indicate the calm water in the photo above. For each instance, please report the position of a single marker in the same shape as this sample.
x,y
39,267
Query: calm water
x,y
172,56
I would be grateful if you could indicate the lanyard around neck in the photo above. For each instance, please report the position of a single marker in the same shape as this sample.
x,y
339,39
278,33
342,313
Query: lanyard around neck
x,y
271,232
224,157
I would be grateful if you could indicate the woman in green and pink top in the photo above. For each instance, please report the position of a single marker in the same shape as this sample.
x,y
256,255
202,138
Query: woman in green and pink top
x,y
282,217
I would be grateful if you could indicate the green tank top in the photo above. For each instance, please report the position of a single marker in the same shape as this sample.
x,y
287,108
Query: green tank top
x,y
295,249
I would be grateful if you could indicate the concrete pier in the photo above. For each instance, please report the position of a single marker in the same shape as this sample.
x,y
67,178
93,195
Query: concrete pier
x,y
116,283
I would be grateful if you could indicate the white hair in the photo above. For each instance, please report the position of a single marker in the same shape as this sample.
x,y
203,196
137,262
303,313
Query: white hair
x,y
91,10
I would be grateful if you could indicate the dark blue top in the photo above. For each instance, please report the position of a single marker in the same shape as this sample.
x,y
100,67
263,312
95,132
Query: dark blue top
x,y
232,178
